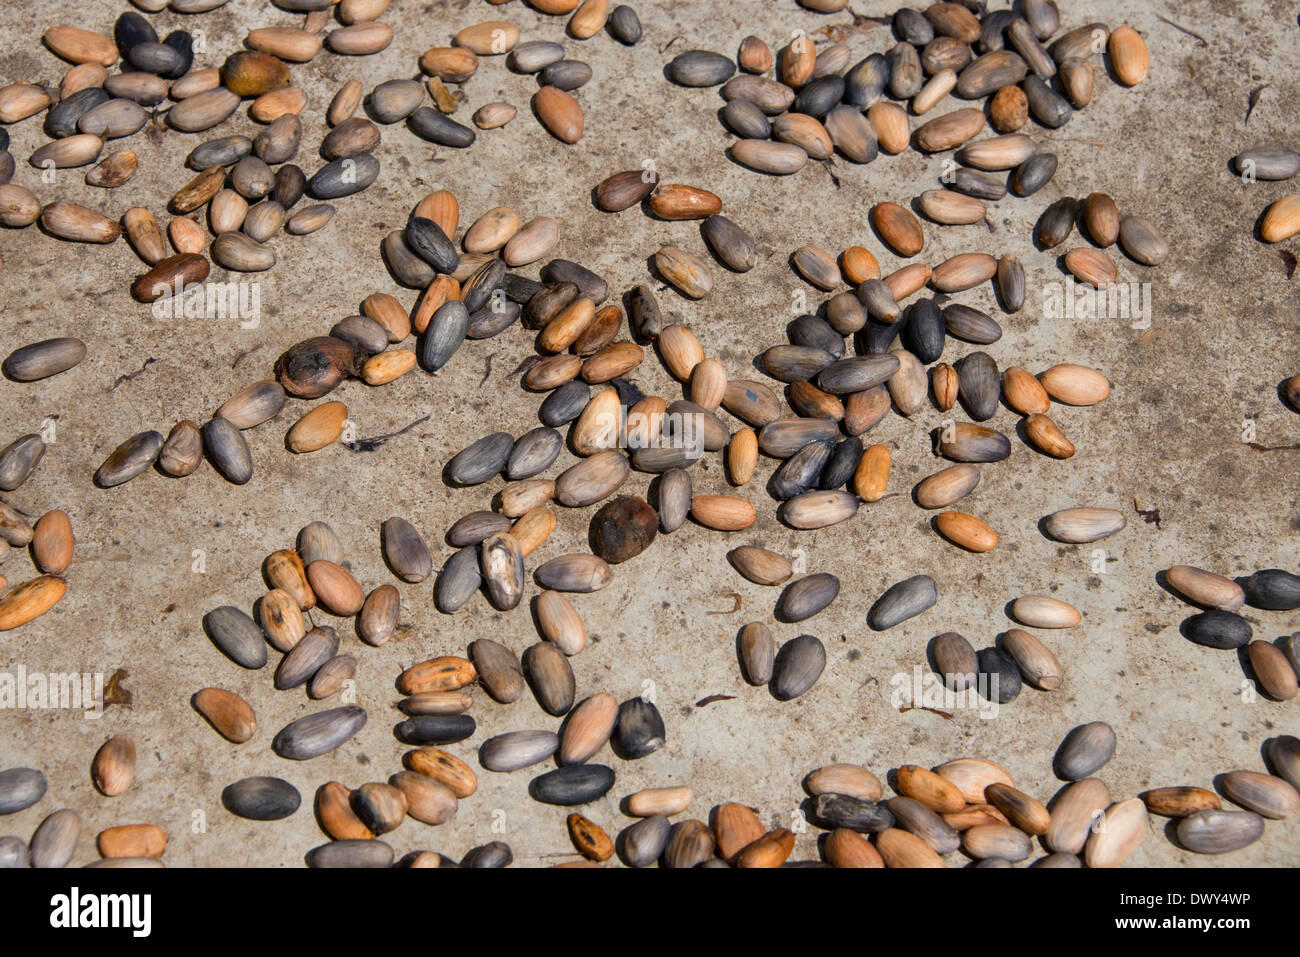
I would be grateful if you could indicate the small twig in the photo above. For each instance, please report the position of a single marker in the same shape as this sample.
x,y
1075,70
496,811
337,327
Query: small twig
x,y
903,709
1150,516
114,693
524,366
1273,448
108,557
369,445
487,370
831,172
1253,100
839,32
1204,42
670,43
734,597
714,697
1075,139
156,129
127,378
244,355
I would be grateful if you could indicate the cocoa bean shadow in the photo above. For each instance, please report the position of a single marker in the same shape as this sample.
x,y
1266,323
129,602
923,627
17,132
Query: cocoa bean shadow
x,y
1002,401
383,553
266,575
880,238
1011,184
713,254
1006,610
392,272
789,261
934,527
652,493
808,808
537,620
1219,789
1051,804
629,393
1041,524
1248,671
1171,834
315,810
912,492
712,819
625,808
194,704
740,655
1057,758
915,204
750,169
560,732
1022,433
593,539
891,779
721,114
986,107
1184,629
649,212
665,285
1282,395
772,690
780,517
1162,579
532,108
931,661
1257,229
1110,68
966,407
771,486
780,613
1267,757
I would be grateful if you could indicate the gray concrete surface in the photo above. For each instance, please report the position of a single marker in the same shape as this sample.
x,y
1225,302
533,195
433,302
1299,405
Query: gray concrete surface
x,y
1169,438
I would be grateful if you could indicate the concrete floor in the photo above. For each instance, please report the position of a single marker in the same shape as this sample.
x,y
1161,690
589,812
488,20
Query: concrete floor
x,y
1169,438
